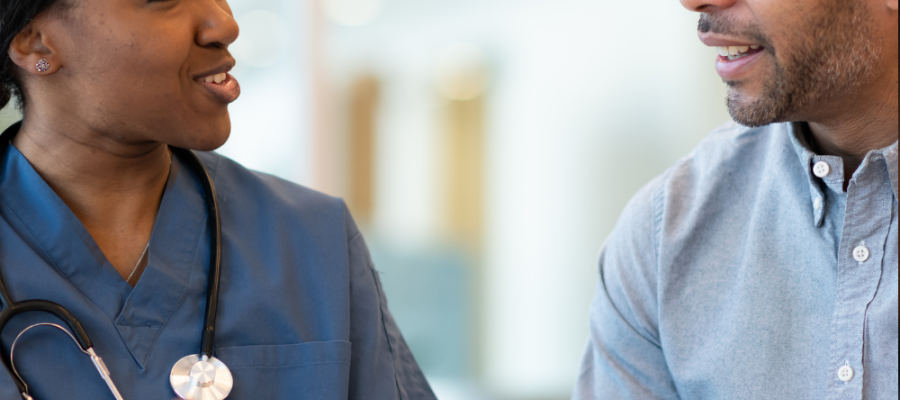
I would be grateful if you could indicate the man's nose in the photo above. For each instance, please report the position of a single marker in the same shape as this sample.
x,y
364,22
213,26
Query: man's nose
x,y
707,5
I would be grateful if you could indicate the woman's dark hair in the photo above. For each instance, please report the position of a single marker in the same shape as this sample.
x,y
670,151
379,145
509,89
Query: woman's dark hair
x,y
14,16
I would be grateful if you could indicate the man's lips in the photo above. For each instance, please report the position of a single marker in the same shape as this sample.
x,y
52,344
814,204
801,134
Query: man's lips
x,y
736,69
716,40
736,55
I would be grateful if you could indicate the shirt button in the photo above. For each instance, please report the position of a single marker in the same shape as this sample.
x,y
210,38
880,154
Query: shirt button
x,y
817,203
861,253
821,169
845,373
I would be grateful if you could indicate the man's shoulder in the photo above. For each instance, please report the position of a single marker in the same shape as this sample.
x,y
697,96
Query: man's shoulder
x,y
724,171
731,146
732,156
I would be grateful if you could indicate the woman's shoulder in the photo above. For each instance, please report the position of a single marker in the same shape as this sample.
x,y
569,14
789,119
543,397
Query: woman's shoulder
x,y
258,197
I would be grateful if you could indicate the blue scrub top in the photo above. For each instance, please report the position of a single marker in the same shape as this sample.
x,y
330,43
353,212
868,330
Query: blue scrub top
x,y
301,311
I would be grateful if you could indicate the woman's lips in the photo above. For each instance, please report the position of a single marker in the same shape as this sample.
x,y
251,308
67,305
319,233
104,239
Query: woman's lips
x,y
226,91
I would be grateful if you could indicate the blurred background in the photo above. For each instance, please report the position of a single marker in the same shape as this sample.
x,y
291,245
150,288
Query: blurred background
x,y
486,149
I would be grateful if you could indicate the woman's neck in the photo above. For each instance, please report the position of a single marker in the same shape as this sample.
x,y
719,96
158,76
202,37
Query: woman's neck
x,y
112,186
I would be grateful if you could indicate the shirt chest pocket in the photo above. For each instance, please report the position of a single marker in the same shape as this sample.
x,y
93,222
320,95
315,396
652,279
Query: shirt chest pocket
x,y
314,370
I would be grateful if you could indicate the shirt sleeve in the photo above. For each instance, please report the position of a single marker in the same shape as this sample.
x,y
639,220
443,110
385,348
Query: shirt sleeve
x,y
382,366
624,357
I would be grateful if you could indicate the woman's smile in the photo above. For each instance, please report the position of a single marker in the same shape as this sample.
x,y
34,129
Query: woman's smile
x,y
221,85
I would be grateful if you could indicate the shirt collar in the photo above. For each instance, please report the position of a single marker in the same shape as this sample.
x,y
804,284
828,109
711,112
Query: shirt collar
x,y
799,135
799,139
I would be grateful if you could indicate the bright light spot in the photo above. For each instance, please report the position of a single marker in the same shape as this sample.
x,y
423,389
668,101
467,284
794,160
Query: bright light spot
x,y
352,12
262,39
461,72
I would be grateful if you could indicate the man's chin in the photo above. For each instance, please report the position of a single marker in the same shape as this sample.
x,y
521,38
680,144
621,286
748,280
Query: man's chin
x,y
752,110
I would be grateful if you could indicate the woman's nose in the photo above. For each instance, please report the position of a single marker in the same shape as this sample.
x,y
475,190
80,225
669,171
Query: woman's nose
x,y
218,27
707,5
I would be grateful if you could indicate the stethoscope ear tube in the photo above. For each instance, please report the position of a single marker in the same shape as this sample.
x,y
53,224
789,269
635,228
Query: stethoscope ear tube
x,y
98,362
13,309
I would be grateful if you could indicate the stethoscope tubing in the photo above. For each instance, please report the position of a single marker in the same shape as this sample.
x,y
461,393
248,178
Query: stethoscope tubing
x,y
215,253
11,308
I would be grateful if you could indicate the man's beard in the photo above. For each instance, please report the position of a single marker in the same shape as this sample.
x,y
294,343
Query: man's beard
x,y
831,53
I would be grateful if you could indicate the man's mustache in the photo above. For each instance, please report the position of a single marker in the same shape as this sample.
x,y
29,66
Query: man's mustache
x,y
706,25
714,23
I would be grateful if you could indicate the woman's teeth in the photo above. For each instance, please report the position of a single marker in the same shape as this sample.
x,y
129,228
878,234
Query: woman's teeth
x,y
735,52
218,78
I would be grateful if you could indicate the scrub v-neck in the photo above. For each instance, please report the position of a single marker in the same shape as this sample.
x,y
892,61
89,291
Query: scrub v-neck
x,y
139,313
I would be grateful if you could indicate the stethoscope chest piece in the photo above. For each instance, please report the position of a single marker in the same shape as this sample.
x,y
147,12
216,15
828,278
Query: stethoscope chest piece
x,y
201,378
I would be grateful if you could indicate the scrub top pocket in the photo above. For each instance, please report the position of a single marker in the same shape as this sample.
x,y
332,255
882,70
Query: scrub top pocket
x,y
313,370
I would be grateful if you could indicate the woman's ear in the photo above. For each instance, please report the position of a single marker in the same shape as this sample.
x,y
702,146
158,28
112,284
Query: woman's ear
x,y
33,51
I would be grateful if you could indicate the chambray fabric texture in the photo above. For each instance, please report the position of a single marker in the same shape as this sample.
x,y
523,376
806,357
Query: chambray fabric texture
x,y
732,276
301,310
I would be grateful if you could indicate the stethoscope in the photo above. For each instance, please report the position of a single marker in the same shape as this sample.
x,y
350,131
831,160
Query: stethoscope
x,y
194,377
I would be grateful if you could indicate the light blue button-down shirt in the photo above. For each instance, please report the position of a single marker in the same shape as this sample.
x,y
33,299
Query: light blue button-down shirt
x,y
742,274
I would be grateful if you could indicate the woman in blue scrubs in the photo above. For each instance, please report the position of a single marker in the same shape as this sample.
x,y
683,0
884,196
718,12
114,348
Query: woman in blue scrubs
x,y
99,216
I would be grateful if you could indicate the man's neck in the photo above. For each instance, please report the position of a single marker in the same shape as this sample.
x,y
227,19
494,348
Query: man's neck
x,y
851,133
114,188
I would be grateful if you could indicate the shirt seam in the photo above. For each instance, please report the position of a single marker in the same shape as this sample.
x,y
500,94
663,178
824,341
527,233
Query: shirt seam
x,y
354,237
381,311
658,210
292,365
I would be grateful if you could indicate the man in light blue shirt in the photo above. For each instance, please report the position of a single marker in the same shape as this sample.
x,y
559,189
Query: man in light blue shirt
x,y
764,264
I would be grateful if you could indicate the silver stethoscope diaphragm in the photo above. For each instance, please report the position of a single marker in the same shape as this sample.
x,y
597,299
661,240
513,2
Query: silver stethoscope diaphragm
x,y
201,378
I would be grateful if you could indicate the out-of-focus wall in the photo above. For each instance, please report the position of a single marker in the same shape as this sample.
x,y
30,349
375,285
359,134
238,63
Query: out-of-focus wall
x,y
584,102
9,115
273,121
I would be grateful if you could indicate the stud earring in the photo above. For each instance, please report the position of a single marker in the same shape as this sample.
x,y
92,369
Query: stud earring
x,y
43,65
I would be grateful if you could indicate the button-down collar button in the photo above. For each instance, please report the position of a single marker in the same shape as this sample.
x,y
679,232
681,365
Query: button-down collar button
x,y
821,169
861,253
845,373
817,203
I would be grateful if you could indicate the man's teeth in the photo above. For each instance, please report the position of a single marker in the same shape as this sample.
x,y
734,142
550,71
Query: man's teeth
x,y
218,78
735,52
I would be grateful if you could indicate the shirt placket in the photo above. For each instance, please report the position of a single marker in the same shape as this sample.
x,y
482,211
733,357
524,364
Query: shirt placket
x,y
869,201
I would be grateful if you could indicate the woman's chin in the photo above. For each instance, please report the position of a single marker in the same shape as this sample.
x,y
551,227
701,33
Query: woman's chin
x,y
208,137
213,143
